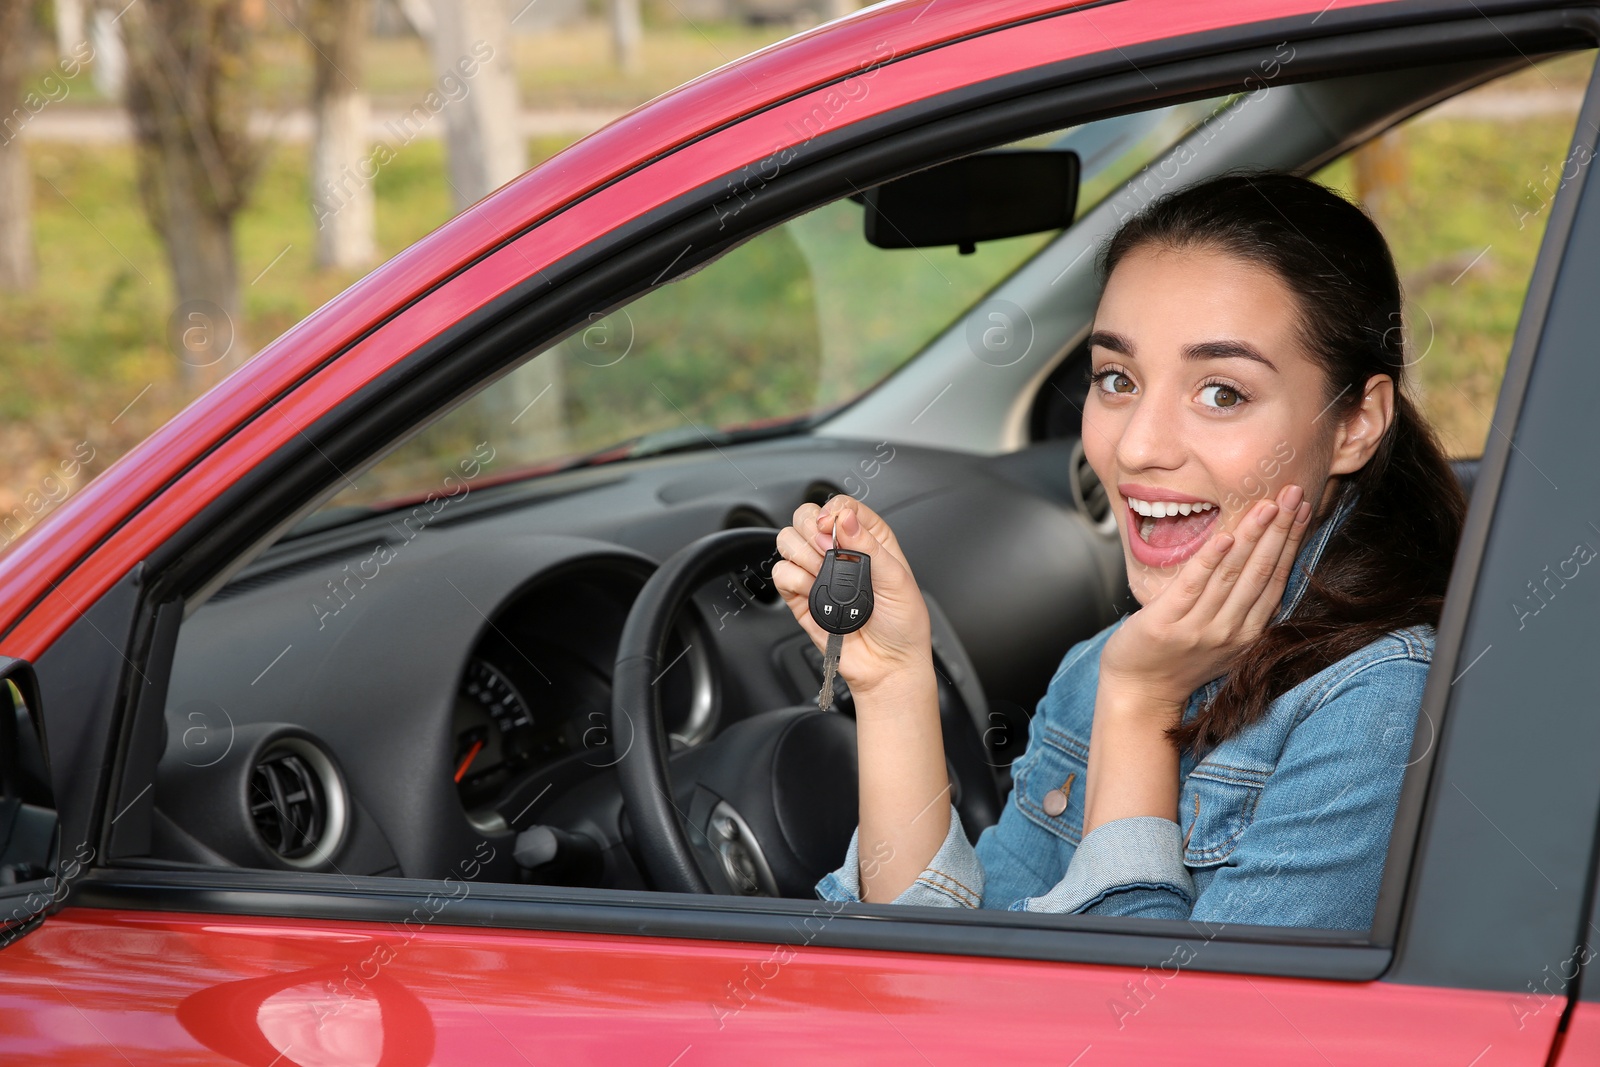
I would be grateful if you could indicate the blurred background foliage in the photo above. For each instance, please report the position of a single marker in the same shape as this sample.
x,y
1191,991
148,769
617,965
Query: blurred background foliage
x,y
791,321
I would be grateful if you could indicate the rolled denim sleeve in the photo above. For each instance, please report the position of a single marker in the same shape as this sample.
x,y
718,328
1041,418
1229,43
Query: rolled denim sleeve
x,y
953,878
1131,866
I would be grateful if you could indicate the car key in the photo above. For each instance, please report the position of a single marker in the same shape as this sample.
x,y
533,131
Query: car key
x,y
841,603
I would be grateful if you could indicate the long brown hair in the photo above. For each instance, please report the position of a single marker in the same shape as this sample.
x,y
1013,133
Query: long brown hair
x,y
1387,565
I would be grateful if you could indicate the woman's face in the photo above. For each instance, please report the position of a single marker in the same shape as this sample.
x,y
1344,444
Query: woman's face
x,y
1203,401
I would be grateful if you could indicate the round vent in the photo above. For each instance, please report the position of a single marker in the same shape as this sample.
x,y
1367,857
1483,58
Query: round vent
x,y
297,802
1089,494
818,492
743,516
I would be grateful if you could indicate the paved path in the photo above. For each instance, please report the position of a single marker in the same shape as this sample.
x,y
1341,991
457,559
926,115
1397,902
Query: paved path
x,y
108,125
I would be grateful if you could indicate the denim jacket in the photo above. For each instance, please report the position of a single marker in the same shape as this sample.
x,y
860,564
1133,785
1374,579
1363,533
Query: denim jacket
x,y
1284,824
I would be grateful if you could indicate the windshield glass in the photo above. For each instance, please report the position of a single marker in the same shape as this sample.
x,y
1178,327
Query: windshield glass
x,y
778,332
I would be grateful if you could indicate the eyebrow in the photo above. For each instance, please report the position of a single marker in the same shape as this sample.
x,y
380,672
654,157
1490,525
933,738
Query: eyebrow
x,y
1226,350
1115,342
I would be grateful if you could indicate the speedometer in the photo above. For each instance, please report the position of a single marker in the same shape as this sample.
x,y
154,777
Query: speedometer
x,y
494,733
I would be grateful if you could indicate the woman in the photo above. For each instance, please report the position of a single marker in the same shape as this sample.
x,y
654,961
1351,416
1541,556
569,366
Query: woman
x,y
1233,750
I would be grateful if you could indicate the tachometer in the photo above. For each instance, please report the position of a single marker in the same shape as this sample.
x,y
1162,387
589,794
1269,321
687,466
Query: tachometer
x,y
494,732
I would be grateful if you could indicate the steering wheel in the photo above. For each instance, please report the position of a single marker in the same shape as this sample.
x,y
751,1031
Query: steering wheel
x,y
768,806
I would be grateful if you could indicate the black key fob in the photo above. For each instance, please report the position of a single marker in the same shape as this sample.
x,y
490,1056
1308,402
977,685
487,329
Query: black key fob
x,y
841,597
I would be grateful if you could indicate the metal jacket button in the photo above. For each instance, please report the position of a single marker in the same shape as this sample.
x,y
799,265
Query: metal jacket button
x,y
1055,801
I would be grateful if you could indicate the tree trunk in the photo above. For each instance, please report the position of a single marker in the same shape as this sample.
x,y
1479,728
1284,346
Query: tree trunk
x,y
341,168
472,49
188,93
627,34
419,15
16,190
71,27
1382,173
110,69
17,272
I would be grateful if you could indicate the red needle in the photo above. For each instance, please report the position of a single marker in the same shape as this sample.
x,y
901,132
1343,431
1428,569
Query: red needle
x,y
472,754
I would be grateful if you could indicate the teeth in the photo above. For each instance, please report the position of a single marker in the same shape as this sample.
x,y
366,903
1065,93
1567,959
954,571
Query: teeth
x,y
1160,509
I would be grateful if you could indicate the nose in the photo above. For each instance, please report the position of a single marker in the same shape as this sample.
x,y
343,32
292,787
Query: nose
x,y
1149,439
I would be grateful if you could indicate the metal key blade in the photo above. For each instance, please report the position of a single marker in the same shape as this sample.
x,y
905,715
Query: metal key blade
x,y
830,667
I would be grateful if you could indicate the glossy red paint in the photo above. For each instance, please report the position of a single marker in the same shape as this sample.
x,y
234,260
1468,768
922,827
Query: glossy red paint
x,y
277,991
95,538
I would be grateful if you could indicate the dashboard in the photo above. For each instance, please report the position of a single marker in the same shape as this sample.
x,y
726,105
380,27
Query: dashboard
x,y
447,683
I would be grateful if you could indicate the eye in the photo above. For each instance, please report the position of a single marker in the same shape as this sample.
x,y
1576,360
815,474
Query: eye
x,y
1217,395
1111,380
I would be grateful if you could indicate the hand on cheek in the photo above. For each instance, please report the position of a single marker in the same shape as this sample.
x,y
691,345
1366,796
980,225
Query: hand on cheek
x,y
1219,601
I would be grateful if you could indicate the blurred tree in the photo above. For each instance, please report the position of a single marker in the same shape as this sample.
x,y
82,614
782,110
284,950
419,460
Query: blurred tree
x,y
476,73
472,57
189,94
16,185
70,24
1382,175
341,182
110,70
627,34
419,15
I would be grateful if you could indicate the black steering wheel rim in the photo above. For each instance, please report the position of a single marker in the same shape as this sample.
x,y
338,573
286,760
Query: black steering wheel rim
x,y
659,835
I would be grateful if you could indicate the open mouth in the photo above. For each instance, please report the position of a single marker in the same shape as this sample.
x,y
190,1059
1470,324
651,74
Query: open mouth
x,y
1165,532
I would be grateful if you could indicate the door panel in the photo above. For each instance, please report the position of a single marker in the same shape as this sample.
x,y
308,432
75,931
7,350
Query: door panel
x,y
258,991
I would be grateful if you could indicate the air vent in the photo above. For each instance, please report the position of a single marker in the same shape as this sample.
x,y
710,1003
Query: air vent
x,y
1089,494
818,492
743,516
297,803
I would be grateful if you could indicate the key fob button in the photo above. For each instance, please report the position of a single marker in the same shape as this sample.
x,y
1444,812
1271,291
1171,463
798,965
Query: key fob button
x,y
841,595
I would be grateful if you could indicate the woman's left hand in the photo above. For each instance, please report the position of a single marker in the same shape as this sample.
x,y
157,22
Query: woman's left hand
x,y
1220,601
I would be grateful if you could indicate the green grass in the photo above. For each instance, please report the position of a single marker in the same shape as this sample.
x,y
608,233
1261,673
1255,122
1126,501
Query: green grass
x,y
1465,195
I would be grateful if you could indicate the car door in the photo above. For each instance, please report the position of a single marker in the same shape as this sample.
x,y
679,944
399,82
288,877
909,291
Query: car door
x,y
218,965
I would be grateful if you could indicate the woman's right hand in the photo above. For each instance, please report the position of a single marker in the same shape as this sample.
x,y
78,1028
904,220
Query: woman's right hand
x,y
895,643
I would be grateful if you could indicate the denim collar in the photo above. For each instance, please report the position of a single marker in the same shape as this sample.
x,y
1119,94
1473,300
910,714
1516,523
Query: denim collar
x,y
1310,555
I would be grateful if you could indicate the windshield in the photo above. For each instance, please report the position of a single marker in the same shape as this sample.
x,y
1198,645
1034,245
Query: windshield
x,y
789,326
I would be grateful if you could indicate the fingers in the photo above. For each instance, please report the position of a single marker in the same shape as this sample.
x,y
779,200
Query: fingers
x,y
869,519
795,547
794,584
1178,599
802,546
1260,613
1247,576
805,524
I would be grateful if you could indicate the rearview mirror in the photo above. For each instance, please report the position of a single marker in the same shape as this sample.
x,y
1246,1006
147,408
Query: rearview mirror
x,y
977,198
30,836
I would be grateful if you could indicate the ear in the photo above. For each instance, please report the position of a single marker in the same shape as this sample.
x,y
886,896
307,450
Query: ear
x,y
1360,431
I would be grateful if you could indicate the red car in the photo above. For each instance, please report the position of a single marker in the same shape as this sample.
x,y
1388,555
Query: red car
x,y
409,699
